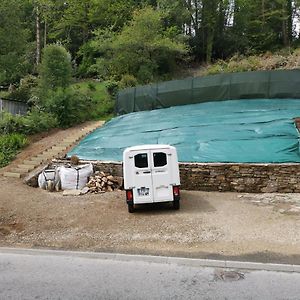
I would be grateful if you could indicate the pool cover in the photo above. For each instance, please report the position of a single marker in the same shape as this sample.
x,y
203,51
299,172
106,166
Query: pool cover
x,y
253,131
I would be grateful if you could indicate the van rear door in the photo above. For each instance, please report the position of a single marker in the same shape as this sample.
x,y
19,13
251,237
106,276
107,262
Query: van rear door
x,y
142,191
161,176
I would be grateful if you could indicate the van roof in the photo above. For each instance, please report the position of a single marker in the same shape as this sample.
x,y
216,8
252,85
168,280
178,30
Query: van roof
x,y
148,147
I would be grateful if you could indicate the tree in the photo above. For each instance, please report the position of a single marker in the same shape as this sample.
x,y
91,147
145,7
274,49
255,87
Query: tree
x,y
14,41
143,48
55,69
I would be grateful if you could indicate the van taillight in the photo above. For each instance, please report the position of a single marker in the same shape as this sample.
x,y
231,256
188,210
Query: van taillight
x,y
176,191
129,195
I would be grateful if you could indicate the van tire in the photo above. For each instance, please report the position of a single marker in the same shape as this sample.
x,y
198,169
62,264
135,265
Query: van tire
x,y
176,204
130,208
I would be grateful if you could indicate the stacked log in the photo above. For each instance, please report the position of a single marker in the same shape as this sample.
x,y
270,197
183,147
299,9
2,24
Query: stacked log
x,y
102,182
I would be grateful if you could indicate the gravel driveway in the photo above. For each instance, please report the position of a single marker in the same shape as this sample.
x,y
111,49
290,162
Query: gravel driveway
x,y
209,225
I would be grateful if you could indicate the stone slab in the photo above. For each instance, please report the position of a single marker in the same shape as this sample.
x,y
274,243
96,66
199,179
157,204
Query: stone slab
x,y
71,193
32,163
12,175
26,167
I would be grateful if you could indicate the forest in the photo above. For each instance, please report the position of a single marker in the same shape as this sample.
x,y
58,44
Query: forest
x,y
140,41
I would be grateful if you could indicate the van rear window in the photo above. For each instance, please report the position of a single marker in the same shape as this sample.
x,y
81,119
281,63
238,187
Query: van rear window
x,y
160,159
141,160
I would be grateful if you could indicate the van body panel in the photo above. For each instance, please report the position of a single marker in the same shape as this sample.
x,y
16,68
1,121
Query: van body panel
x,y
161,175
142,179
151,171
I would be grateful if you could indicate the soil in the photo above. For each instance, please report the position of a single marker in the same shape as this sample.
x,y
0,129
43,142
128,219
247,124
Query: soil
x,y
248,227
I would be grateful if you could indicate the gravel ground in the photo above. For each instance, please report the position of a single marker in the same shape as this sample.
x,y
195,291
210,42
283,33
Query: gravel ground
x,y
209,225
251,227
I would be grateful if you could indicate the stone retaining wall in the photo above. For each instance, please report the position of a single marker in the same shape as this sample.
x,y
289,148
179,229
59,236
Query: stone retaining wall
x,y
250,178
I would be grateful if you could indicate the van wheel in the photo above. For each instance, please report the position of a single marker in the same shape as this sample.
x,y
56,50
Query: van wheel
x,y
130,208
176,204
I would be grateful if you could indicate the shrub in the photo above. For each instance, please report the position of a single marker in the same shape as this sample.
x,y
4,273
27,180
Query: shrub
x,y
128,81
38,121
112,88
23,92
34,122
10,123
69,107
9,146
92,86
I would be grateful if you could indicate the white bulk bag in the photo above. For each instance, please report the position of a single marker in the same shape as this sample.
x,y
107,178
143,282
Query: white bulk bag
x,y
75,178
46,176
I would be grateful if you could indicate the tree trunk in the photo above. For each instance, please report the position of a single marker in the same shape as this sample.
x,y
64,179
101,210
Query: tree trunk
x,y
287,23
290,10
45,34
38,37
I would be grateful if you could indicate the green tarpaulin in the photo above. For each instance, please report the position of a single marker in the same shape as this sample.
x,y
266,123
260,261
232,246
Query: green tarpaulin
x,y
256,130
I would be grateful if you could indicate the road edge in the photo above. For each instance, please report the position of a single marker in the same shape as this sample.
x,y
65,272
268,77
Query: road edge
x,y
190,262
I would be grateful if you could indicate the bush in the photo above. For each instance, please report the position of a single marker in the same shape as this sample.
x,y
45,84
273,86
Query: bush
x,y
38,121
103,108
10,123
69,107
112,88
92,86
128,81
23,92
34,122
9,146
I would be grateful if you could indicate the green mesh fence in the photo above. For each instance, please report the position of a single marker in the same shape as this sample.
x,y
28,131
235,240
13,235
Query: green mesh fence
x,y
248,85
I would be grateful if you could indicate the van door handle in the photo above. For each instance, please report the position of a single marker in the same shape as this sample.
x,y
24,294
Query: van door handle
x,y
147,172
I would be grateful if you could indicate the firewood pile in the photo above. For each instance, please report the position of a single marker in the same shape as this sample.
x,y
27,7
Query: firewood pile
x,y
101,182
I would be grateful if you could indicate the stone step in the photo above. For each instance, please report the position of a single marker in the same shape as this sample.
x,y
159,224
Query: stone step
x,y
49,154
71,141
26,167
58,148
12,175
37,158
65,144
18,170
32,163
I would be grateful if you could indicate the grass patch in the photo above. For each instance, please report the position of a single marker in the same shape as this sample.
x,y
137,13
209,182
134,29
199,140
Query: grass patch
x,y
103,105
282,60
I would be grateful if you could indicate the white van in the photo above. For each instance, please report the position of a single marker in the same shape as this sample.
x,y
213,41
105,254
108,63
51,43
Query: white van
x,y
151,175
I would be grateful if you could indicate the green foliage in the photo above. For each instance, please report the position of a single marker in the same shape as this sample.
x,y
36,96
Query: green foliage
x,y
55,70
148,39
112,88
127,81
34,122
268,61
10,123
13,36
69,106
102,105
38,121
24,91
92,86
143,48
10,144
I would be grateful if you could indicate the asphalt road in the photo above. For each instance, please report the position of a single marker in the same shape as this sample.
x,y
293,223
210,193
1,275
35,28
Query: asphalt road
x,y
46,275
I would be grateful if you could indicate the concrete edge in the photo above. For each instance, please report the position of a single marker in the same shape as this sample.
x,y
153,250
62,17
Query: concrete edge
x,y
181,261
